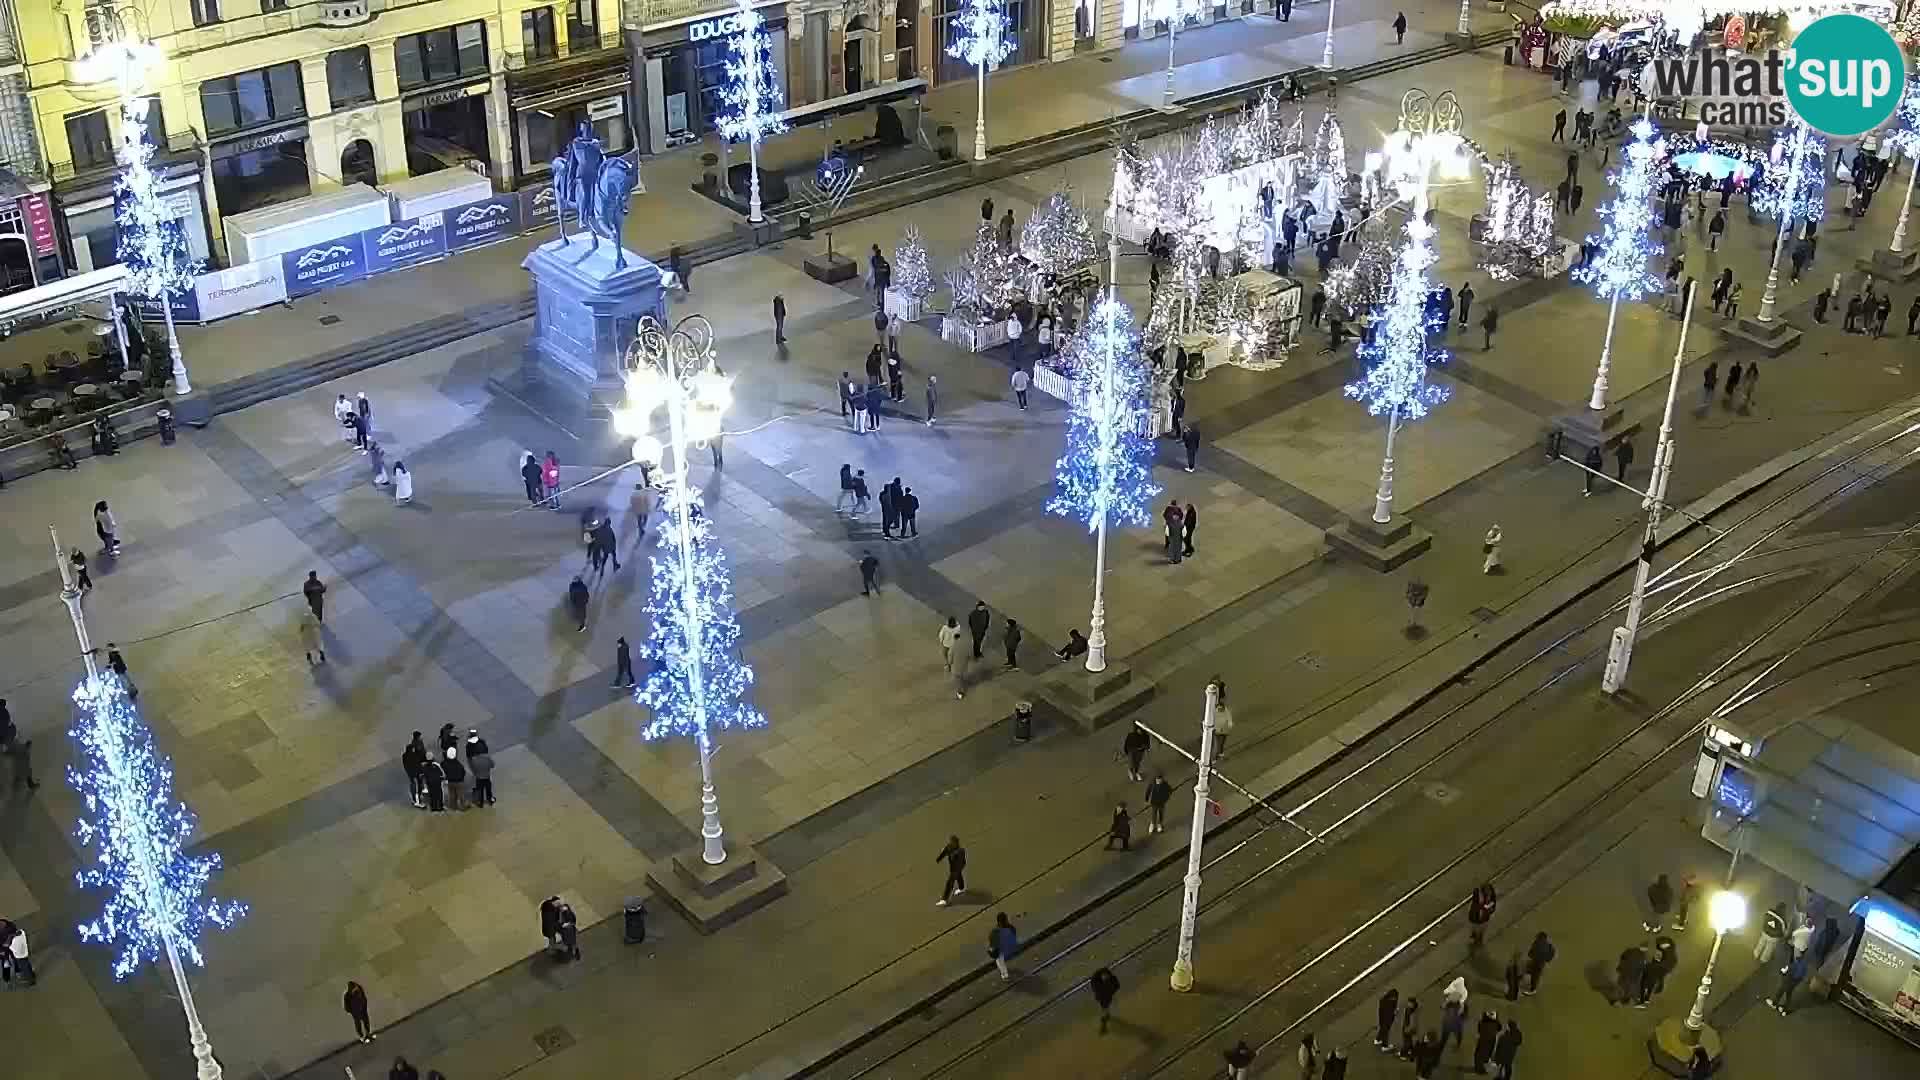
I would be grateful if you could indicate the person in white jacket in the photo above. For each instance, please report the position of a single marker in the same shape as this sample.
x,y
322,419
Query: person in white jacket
x,y
402,483
949,634
343,416
1453,1011
22,965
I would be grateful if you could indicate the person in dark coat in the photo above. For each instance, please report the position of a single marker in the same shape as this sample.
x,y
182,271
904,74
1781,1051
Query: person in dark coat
x,y
1700,1066
1400,28
955,857
622,663
1539,955
1189,521
1513,976
569,932
403,1070
1505,1049
1627,971
1389,1008
1335,1067
1480,908
355,1002
1426,1054
1011,639
316,593
1595,463
889,513
1158,792
414,760
1121,828
1105,986
1653,977
530,476
978,620
577,597
909,507
1134,749
779,319
1409,1028
433,778
1190,438
1485,1036
870,574
550,920
1623,458
1660,892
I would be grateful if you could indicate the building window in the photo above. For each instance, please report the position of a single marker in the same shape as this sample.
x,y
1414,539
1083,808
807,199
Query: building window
x,y
89,140
349,76
273,5
156,135
536,33
252,98
205,12
452,52
583,25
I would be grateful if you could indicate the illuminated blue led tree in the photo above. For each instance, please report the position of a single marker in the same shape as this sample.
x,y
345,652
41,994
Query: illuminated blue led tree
x,y
1903,138
1793,191
1106,474
150,242
699,681
750,98
982,36
134,835
1395,385
1619,271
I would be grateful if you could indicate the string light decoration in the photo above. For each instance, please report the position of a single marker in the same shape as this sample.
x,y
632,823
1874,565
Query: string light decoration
x,y
136,832
1519,225
1294,141
1057,238
1793,190
912,274
1365,280
982,37
1395,384
986,280
1105,475
1329,155
150,243
751,96
1619,270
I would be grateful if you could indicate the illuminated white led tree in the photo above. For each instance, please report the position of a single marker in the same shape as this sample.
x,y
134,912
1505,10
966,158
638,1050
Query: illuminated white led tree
x,y
1519,225
982,37
134,834
1903,137
1058,239
1106,474
1794,190
699,682
1619,271
150,244
750,98
1395,385
912,274
1174,14
1329,154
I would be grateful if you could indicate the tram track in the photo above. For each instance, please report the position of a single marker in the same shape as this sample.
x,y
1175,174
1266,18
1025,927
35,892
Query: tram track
x,y
1322,817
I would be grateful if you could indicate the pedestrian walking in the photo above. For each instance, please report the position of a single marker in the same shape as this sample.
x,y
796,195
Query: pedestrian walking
x,y
875,396
106,528
1659,902
1002,942
1488,324
1011,639
978,620
949,634
550,479
414,759
1689,892
779,319
1539,955
1575,197
933,398
1400,28
577,597
1490,551
1179,408
1505,1049
1734,374
1781,1002
909,507
869,573
1175,521
1307,1057
1453,1011
1513,976
481,766
1388,1009
1006,231
456,773
1158,792
1120,828
377,463
1222,717
1480,908
117,664
1733,302
1559,127
311,640
860,491
1190,438
530,478
343,416
1595,465
21,960
1020,381
1239,1061
1653,977
622,663
1626,972
955,857
1105,986
354,1001
316,593
1134,749
1708,380
1715,228
1318,306
433,780
1189,520
81,579
1466,302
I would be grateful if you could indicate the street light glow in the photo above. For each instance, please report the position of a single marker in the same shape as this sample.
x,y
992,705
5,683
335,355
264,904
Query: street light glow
x,y
1727,912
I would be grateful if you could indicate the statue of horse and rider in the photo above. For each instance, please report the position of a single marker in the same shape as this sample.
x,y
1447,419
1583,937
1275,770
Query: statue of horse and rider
x,y
596,190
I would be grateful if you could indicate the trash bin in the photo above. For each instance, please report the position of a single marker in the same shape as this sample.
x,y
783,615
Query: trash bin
x,y
635,921
946,142
806,225
1509,57
1022,721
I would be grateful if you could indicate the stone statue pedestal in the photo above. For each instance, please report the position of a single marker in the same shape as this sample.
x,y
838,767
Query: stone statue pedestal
x,y
584,318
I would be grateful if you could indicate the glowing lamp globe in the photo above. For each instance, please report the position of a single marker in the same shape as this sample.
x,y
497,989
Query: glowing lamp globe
x,y
1727,912
112,60
647,450
645,391
713,390
629,422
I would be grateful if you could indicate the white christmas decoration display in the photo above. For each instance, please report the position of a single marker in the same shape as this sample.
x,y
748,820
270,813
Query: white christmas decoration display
x,y
912,274
1619,270
982,36
1057,238
986,280
150,241
750,97
1519,225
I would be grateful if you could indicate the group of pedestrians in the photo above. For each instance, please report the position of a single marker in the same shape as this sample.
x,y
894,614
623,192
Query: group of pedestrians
x,y
16,961
17,750
356,424
1180,524
1740,385
354,1002
437,778
958,658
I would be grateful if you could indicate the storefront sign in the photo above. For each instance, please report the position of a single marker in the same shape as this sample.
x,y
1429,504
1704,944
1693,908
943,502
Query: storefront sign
x,y
538,207
241,288
186,307
235,147
481,223
38,214
708,29
665,12
311,269
442,97
601,108
405,242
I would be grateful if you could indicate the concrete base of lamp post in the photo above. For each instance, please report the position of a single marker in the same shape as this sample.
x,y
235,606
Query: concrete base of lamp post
x,y
1091,700
1585,428
193,410
1886,264
1382,547
830,269
1458,40
1670,1047
1771,338
759,234
712,896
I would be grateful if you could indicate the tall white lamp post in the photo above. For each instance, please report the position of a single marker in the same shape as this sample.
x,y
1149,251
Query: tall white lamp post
x,y
1326,46
699,682
981,38
1619,268
1675,1042
1466,18
1904,139
1182,978
1620,647
1789,202
750,99
1175,13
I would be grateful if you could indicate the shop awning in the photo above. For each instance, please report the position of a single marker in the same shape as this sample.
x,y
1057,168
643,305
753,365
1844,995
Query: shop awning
x,y
1827,803
58,296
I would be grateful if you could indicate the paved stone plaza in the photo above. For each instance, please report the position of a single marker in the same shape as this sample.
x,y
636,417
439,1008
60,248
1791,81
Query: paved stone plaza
x,y
451,610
